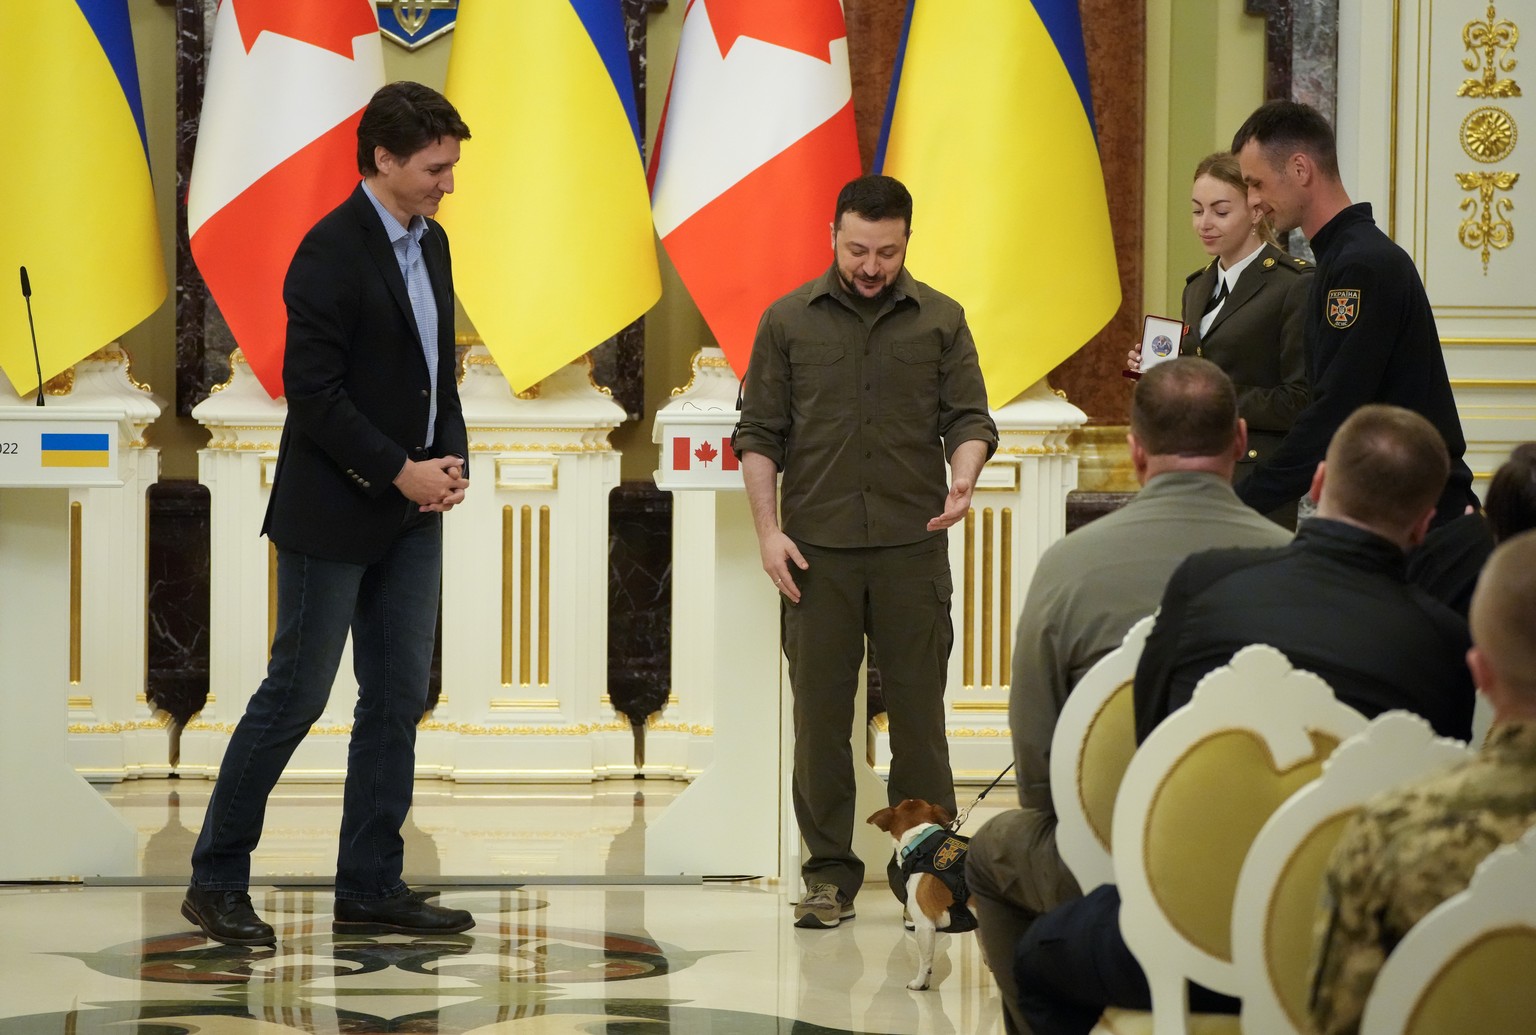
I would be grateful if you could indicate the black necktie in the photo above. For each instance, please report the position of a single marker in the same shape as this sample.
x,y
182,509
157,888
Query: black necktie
x,y
1218,297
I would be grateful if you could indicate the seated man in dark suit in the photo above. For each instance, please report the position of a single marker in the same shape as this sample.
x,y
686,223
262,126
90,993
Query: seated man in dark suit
x,y
1336,602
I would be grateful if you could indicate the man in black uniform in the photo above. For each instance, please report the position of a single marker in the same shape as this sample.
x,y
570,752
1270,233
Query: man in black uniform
x,y
1370,334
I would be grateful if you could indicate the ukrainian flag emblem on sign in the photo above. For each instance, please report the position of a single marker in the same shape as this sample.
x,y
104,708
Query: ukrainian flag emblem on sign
x,y
77,450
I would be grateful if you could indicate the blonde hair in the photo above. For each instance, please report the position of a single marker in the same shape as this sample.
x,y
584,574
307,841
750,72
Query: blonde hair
x,y
1222,166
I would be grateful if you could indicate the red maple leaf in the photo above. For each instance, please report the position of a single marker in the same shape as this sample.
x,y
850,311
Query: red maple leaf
x,y
810,28
329,25
706,453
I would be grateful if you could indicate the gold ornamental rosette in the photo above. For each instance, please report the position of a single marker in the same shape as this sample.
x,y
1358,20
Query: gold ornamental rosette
x,y
1488,135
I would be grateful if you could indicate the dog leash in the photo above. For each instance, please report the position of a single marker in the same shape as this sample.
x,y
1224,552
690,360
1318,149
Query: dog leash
x,y
966,812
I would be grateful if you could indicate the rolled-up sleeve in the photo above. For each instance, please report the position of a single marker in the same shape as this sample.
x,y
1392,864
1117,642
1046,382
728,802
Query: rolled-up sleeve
x,y
763,426
963,412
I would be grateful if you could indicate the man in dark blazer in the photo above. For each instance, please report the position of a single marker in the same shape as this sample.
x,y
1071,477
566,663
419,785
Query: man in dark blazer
x,y
373,453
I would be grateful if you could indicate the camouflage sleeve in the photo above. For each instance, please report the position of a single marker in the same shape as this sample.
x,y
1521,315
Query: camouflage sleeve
x,y
1347,947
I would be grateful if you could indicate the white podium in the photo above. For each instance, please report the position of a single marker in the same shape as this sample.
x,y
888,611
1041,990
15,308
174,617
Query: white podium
x,y
56,825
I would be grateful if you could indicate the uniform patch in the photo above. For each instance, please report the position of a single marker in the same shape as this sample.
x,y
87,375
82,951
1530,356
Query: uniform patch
x,y
1343,307
951,850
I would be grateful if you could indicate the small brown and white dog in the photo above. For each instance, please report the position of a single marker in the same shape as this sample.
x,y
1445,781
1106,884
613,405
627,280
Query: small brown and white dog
x,y
933,861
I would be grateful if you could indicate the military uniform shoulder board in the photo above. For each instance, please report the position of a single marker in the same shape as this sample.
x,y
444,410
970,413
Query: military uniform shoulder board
x,y
1199,271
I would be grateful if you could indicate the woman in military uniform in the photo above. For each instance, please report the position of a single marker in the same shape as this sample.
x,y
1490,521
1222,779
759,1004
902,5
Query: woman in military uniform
x,y
1243,310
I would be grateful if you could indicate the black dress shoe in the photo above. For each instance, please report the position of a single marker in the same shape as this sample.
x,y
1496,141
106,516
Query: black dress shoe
x,y
406,913
227,916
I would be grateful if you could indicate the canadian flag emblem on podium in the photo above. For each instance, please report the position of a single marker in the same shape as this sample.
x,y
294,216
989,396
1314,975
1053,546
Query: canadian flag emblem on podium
x,y
707,452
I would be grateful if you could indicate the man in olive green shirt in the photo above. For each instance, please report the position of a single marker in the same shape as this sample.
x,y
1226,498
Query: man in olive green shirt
x,y
861,384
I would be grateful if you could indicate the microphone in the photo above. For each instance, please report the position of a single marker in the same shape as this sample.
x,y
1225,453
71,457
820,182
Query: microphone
x,y
26,293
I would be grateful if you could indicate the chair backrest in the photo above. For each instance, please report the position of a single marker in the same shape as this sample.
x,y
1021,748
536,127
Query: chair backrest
x,y
1195,795
1094,740
1275,907
1468,965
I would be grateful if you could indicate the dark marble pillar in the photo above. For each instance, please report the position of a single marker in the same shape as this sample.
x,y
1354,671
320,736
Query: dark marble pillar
x,y
177,649
639,599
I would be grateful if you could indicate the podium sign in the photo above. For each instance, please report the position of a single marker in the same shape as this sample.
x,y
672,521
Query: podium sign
x,y
696,453
54,452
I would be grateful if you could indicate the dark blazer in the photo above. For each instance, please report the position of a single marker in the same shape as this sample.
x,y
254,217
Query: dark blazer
x,y
357,386
1257,340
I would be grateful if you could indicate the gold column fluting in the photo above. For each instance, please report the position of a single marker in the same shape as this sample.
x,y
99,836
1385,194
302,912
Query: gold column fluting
x,y
544,596
271,596
987,533
1005,593
508,541
968,606
525,599
75,523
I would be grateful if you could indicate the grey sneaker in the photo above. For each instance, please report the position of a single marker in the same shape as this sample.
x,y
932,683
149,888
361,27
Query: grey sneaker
x,y
823,906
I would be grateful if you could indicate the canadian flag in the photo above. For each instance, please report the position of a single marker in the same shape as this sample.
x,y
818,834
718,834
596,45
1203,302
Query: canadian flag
x,y
276,150
756,139
704,454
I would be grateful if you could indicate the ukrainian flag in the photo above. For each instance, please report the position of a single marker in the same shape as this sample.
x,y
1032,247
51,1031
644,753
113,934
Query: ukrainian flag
x,y
85,227
990,125
76,450
550,222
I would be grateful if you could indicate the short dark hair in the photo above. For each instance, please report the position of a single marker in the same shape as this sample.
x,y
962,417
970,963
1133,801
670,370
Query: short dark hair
x,y
403,118
1283,128
874,198
1386,467
1501,611
1511,499
1184,407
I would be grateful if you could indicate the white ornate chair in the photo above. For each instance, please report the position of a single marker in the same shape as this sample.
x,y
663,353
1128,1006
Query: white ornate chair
x,y
1093,743
1469,966
1193,798
1274,909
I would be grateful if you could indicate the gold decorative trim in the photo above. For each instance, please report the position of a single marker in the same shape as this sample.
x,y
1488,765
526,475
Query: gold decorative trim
x,y
1492,342
979,706
60,384
76,534
513,704
271,596
1490,37
698,362
508,572
79,702
536,447
544,566
1005,605
549,468
1478,382
967,602
236,358
988,536
1487,226
1488,134
525,596
116,350
112,728
471,360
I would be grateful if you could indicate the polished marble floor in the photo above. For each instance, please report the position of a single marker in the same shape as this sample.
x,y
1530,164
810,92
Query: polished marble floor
x,y
571,940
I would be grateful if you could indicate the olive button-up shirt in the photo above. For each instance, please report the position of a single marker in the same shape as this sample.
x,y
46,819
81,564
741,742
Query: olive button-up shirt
x,y
861,417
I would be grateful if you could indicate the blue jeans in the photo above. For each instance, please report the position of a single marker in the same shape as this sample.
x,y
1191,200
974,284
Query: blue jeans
x,y
391,608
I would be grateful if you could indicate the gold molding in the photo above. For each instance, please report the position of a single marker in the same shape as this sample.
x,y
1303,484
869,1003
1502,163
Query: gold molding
x,y
79,702
988,538
1490,37
1005,605
1487,226
544,595
508,543
514,704
1488,134
979,706
698,361
525,596
1482,382
76,534
967,602
1496,342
